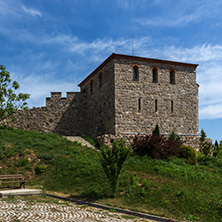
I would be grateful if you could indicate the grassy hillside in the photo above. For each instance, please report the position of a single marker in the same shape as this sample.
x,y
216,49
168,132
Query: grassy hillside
x,y
167,188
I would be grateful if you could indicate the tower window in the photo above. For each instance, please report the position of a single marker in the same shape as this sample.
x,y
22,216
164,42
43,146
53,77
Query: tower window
x,y
154,75
91,87
172,77
139,104
172,106
156,105
100,80
135,73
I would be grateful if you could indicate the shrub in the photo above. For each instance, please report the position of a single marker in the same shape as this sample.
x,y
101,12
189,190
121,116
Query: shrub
x,y
173,136
157,147
216,149
188,153
205,148
40,169
112,161
90,140
22,162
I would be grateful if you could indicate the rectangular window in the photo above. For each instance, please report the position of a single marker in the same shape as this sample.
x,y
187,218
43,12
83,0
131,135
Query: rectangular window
x,y
156,105
139,104
172,106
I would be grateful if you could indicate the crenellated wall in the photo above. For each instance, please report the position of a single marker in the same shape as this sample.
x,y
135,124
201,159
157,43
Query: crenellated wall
x,y
61,115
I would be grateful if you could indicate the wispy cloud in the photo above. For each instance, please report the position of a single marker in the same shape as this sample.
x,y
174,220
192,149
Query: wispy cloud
x,y
130,4
179,14
31,11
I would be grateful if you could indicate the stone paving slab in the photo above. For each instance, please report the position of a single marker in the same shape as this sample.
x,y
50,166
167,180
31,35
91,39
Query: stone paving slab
x,y
20,210
20,192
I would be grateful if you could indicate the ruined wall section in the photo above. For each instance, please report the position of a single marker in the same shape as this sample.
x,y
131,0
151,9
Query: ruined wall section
x,y
99,90
61,115
128,92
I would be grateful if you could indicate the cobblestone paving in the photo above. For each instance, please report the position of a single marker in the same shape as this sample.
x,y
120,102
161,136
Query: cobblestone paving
x,y
20,210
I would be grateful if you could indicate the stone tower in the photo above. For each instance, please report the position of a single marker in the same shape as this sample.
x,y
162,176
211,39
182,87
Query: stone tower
x,y
124,96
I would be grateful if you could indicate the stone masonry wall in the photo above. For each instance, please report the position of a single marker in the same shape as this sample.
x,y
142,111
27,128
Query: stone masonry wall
x,y
61,115
99,91
192,141
183,94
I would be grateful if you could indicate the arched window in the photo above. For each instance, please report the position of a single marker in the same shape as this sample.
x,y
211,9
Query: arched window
x,y
91,87
135,73
172,77
154,75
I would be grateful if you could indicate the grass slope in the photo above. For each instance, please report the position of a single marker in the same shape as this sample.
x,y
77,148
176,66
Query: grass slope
x,y
167,188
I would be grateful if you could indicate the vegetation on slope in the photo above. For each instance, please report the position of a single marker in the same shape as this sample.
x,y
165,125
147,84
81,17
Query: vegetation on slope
x,y
170,188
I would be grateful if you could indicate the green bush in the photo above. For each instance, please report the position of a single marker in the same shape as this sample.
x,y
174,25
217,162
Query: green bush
x,y
22,162
90,140
40,169
112,161
188,153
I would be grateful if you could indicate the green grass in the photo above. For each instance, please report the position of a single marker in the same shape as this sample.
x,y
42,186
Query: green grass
x,y
169,188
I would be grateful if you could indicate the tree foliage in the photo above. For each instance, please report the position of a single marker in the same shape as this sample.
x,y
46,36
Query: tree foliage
x,y
9,99
205,146
156,131
112,161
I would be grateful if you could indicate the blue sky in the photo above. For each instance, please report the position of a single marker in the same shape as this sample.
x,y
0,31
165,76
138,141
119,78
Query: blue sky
x,y
52,45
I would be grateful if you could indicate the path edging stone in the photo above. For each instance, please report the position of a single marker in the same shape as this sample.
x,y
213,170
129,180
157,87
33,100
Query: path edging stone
x,y
104,207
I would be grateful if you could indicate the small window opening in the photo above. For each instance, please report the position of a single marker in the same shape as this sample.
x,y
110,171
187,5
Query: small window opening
x,y
91,87
172,77
139,104
135,73
100,80
156,105
171,106
154,75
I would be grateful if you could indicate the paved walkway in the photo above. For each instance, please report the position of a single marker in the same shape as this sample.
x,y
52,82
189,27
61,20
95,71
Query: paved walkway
x,y
22,211
80,140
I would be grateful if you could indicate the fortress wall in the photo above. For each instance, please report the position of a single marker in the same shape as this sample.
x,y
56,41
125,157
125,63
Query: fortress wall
x,y
183,94
61,115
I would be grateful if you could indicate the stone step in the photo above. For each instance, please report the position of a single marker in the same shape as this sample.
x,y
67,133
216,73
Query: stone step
x,y
20,192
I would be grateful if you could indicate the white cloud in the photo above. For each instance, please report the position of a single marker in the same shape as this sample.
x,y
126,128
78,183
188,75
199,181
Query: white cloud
x,y
40,87
130,4
32,12
209,74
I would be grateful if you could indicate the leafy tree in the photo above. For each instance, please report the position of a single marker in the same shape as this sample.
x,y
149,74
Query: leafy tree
x,y
216,149
112,161
205,147
156,131
203,136
9,100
